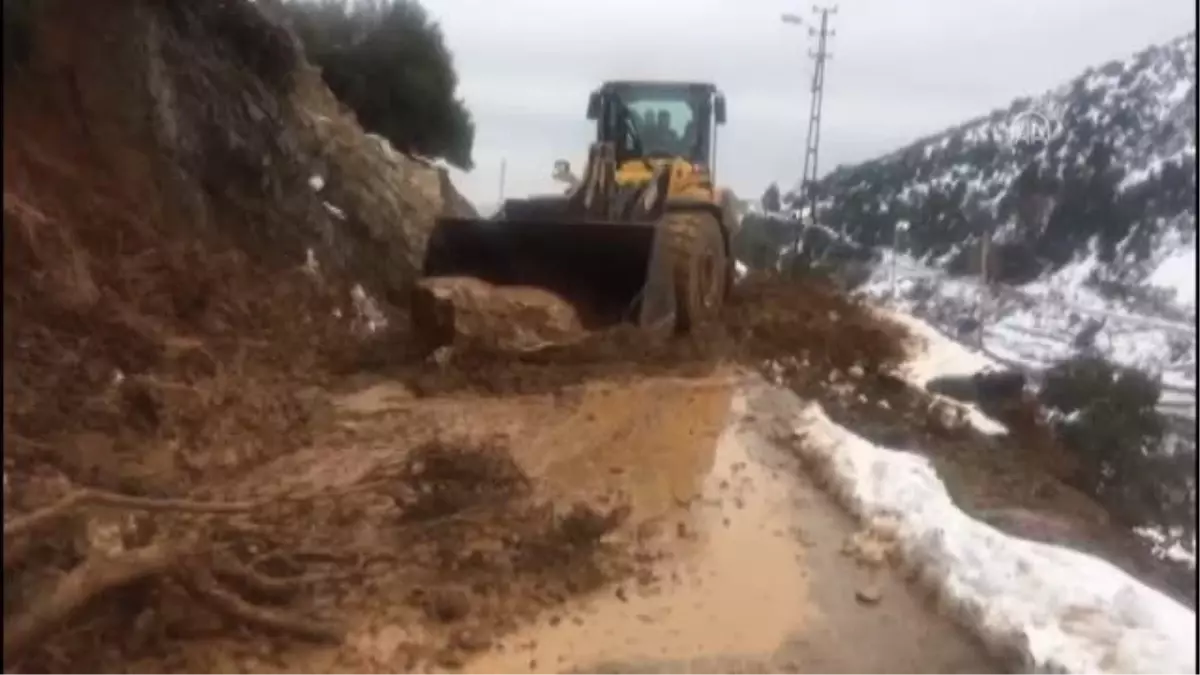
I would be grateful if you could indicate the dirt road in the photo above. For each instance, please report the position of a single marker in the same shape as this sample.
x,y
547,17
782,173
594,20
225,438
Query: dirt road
x,y
758,578
729,557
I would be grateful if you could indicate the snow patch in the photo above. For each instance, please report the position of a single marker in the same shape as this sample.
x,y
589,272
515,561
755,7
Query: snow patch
x,y
1177,273
335,211
935,355
368,313
1062,610
1168,544
1035,325
311,266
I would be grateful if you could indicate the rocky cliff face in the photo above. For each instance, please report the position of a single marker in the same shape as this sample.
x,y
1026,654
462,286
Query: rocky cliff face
x,y
388,199
209,112
173,172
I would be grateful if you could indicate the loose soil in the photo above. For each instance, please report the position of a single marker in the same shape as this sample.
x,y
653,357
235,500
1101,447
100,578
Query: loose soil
x,y
444,513
547,532
759,576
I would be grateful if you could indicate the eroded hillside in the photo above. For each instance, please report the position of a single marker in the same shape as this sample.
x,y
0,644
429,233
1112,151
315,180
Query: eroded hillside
x,y
187,213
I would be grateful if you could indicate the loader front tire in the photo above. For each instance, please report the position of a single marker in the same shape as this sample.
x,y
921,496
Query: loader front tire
x,y
698,262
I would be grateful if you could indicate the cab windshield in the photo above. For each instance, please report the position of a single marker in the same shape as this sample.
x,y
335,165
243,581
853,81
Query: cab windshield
x,y
664,121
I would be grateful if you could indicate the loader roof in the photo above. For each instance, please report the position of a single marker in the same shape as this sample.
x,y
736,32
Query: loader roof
x,y
665,84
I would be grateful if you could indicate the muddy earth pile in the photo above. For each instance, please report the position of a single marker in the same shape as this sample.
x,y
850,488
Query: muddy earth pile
x,y
808,335
396,501
176,288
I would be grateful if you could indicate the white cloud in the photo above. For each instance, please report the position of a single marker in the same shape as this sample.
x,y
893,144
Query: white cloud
x,y
900,70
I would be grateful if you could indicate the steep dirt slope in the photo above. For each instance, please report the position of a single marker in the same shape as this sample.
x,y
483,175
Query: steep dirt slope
x,y
160,320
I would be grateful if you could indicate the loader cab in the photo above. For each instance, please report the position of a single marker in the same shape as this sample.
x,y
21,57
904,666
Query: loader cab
x,y
659,120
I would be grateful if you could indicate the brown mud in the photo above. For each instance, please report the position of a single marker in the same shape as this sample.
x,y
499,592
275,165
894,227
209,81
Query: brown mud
x,y
812,338
449,503
760,577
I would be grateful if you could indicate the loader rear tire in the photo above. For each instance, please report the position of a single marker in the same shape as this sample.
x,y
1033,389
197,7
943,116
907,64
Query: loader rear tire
x,y
697,253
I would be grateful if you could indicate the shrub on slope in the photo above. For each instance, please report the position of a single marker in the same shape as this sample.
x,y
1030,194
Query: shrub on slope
x,y
16,32
1107,414
388,62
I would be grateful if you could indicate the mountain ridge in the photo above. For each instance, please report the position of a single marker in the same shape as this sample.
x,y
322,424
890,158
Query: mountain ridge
x,y
1117,181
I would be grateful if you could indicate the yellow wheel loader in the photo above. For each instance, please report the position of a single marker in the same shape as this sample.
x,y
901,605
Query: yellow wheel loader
x,y
642,236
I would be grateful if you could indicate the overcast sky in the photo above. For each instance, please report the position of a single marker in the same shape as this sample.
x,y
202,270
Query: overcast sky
x,y
900,69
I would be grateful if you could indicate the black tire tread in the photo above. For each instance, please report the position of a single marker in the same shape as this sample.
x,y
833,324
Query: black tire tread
x,y
688,235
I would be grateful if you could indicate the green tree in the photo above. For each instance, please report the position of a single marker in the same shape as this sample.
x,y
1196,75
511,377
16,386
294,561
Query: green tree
x,y
771,201
1107,415
388,61
18,29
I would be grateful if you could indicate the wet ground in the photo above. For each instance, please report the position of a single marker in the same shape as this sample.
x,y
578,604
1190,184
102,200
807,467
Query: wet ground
x,y
610,507
759,579
715,553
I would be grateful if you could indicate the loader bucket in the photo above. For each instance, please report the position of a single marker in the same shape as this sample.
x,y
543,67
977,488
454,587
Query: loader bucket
x,y
611,272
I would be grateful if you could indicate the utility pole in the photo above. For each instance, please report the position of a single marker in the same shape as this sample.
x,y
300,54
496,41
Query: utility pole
x,y
503,169
985,288
813,143
899,228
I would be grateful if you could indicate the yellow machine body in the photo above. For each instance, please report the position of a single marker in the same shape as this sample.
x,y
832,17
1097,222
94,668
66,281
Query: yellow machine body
x,y
642,236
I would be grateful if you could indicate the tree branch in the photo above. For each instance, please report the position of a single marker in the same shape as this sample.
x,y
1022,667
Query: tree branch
x,y
91,578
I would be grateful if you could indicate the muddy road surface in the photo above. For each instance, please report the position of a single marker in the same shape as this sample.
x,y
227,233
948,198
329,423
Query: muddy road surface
x,y
715,552
757,574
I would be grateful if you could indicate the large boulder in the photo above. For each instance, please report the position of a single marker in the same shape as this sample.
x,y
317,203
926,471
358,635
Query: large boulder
x,y
992,389
468,311
389,198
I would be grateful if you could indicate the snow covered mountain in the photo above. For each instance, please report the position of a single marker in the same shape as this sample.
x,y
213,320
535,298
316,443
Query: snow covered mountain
x,y
1032,327
1079,205
1092,229
1111,178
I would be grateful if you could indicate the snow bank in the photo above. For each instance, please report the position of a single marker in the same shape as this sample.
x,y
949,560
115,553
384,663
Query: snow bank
x,y
1035,325
1061,609
935,355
